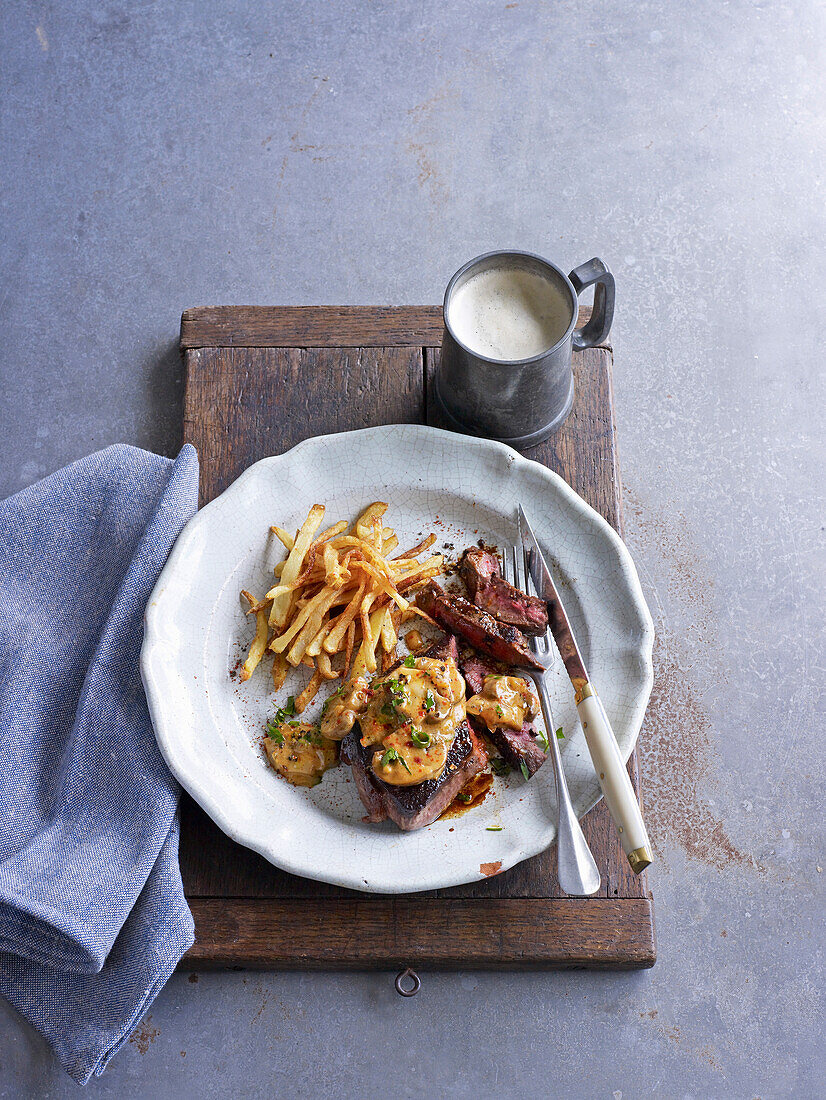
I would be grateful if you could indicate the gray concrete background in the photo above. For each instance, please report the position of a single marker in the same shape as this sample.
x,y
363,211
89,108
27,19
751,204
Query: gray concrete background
x,y
163,155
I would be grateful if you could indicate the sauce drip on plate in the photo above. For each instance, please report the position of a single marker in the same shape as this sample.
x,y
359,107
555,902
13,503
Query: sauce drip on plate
x,y
476,790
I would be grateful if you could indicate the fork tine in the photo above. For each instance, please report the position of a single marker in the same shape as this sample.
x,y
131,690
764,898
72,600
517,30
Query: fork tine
x,y
519,558
515,571
530,587
542,641
507,564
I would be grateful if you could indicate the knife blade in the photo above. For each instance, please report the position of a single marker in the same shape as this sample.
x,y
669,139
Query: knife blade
x,y
557,619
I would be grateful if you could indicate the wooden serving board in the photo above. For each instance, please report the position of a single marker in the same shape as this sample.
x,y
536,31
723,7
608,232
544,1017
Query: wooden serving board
x,y
258,381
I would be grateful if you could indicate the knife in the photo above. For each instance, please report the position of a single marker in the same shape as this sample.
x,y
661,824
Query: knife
x,y
602,744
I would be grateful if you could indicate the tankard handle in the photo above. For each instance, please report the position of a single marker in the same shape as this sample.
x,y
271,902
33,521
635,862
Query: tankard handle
x,y
594,273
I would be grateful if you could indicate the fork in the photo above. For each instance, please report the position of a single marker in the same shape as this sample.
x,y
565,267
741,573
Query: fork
x,y
578,873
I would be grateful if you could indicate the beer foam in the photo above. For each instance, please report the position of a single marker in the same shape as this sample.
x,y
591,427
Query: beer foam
x,y
509,313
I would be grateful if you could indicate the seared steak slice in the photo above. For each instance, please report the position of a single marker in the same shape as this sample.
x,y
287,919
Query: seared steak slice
x,y
515,746
446,650
459,616
477,566
369,794
475,669
489,590
419,805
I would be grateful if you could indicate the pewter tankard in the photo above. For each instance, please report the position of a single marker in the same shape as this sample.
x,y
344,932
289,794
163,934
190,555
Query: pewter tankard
x,y
520,401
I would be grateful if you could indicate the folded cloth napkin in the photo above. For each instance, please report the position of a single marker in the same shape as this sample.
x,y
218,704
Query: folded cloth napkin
x,y
92,912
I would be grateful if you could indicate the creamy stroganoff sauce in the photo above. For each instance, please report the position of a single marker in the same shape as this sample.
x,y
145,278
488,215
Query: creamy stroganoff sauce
x,y
505,701
410,716
412,720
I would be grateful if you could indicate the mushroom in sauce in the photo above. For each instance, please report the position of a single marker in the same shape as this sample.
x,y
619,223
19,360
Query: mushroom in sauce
x,y
504,701
341,710
299,753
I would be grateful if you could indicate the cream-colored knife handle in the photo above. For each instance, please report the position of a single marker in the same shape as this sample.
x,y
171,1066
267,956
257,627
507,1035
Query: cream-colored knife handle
x,y
615,782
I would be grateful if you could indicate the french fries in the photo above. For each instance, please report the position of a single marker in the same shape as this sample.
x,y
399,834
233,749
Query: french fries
x,y
337,597
258,647
285,536
309,693
348,648
280,669
280,609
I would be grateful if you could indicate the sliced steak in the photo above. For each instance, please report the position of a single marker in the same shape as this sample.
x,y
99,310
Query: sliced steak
x,y
369,794
459,616
476,567
490,591
445,650
418,805
516,746
475,669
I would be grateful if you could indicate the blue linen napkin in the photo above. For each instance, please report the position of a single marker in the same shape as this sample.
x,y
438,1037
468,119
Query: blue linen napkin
x,y
92,913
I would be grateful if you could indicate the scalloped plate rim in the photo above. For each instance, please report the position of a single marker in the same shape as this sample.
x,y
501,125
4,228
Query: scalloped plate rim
x,y
207,795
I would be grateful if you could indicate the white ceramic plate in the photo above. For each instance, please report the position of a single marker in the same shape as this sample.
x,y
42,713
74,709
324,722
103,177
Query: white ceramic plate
x,y
209,726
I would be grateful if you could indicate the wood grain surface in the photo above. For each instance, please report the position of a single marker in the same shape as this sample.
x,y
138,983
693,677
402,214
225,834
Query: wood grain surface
x,y
311,326
334,369
358,933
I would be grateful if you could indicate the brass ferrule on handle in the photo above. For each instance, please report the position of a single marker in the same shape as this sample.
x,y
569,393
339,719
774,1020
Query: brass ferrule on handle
x,y
582,690
639,859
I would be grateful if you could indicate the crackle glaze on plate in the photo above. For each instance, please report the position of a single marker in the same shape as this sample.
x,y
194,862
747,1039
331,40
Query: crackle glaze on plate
x,y
209,725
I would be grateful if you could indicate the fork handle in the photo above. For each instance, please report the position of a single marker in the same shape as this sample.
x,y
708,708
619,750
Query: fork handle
x,y
577,871
614,780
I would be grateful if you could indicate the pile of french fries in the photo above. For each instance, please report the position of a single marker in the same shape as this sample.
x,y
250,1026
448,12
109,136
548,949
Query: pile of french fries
x,y
337,594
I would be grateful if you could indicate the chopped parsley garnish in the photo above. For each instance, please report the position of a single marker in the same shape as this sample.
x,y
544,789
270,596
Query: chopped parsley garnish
x,y
523,767
283,713
499,712
560,736
542,739
493,829
499,766
274,733
390,757
410,661
462,797
429,701
282,716
398,696
420,737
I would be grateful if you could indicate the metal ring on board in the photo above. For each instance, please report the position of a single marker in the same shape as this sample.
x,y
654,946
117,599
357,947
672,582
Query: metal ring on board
x,y
411,975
